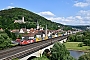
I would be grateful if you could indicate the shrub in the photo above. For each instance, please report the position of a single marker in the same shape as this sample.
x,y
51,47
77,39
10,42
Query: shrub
x,y
15,59
80,44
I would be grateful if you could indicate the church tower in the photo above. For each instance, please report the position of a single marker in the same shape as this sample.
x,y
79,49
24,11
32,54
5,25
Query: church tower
x,y
37,25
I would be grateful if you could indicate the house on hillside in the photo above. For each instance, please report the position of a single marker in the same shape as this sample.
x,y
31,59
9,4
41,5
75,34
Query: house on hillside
x,y
23,30
15,31
30,34
40,35
1,29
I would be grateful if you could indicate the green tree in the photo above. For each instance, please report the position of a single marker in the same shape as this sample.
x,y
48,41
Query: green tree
x,y
59,52
10,34
87,42
47,53
5,41
41,58
85,57
78,38
72,38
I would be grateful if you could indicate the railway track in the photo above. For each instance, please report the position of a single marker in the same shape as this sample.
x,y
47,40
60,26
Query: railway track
x,y
21,51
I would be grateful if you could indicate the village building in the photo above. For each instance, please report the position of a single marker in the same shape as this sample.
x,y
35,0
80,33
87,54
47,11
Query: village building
x,y
15,31
1,29
23,30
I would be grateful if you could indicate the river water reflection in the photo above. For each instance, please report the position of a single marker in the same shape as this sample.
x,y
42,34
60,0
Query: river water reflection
x,y
76,54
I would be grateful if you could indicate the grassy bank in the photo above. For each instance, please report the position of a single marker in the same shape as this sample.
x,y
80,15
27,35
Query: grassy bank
x,y
74,46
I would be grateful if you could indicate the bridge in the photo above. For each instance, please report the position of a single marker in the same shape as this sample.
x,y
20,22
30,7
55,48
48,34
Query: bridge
x,y
35,49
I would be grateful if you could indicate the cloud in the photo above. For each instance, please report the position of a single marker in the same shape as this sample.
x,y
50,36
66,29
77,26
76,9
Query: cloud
x,y
81,18
8,7
82,4
46,13
84,13
11,3
78,17
88,1
62,20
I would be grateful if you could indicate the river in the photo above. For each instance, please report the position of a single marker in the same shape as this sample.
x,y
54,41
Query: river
x,y
76,54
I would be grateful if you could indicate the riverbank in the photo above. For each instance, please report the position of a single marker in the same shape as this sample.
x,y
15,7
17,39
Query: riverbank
x,y
74,46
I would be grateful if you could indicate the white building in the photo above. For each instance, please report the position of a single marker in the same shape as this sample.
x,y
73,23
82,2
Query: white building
x,y
20,21
21,31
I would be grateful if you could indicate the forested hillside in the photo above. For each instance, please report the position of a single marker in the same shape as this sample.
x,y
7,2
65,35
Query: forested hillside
x,y
7,18
82,27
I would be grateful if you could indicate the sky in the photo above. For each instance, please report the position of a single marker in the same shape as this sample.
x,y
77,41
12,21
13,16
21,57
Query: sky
x,y
67,12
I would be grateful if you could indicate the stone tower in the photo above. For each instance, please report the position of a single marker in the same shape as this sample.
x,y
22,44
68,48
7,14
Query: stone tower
x,y
23,19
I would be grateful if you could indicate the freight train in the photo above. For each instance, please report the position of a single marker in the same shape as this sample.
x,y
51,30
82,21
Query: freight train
x,y
26,41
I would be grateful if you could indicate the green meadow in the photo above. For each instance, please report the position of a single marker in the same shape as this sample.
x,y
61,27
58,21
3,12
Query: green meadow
x,y
74,46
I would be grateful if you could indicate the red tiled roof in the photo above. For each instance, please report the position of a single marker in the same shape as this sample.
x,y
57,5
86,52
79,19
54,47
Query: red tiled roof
x,y
15,30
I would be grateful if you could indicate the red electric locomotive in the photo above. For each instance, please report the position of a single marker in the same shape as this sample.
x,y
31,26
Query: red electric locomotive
x,y
25,42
